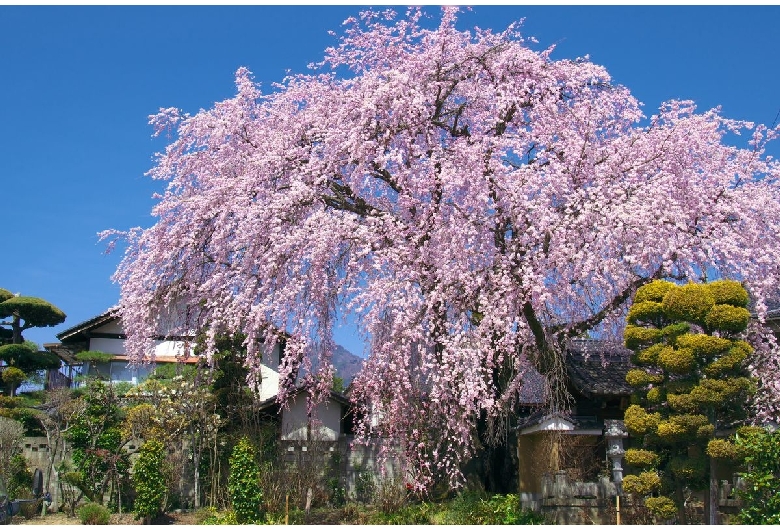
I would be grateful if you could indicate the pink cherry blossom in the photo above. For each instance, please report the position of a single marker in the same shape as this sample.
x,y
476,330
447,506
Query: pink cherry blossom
x,y
473,202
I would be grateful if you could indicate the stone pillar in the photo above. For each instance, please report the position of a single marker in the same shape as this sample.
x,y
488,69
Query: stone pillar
x,y
614,432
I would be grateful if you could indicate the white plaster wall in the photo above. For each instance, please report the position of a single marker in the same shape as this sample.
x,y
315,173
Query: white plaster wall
x,y
116,346
328,418
269,386
115,326
169,348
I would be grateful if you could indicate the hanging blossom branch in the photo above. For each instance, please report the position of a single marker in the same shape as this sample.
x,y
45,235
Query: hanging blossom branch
x,y
470,200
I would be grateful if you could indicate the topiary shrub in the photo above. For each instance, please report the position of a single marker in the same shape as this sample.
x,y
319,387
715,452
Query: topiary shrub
x,y
681,402
637,336
688,383
723,450
653,291
661,507
704,345
641,378
13,377
691,470
728,292
642,484
645,312
727,318
647,356
641,458
681,427
679,361
655,395
638,421
93,513
690,303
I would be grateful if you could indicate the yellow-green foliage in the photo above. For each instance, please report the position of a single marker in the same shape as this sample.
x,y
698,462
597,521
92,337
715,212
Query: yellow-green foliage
x,y
689,469
647,356
728,292
661,507
672,331
703,346
680,361
637,377
723,450
729,362
641,458
638,421
727,318
636,336
681,402
691,302
708,393
715,392
655,395
682,427
670,432
679,386
726,364
750,430
653,291
642,484
647,312
705,431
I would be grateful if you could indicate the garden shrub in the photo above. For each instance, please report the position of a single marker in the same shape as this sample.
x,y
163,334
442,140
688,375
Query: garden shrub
x,y
638,421
213,517
150,480
654,291
636,377
690,303
642,484
761,497
644,312
94,513
19,478
636,336
729,292
728,318
688,384
244,483
723,449
641,458
680,361
662,507
471,507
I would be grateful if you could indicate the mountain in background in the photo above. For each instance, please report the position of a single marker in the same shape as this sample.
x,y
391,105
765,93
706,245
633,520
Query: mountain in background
x,y
346,363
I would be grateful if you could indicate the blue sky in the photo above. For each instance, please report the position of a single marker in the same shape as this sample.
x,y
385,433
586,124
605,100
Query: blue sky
x,y
79,82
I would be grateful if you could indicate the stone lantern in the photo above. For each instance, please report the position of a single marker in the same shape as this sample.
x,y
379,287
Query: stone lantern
x,y
614,432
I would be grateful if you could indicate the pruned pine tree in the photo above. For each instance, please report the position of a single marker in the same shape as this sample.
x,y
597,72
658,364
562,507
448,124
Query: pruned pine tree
x,y
691,383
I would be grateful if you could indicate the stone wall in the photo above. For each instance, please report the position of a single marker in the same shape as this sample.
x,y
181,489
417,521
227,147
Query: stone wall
x,y
565,501
37,452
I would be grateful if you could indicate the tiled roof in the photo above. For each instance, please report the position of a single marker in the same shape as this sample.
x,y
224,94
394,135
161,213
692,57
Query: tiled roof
x,y
598,368
594,368
94,322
